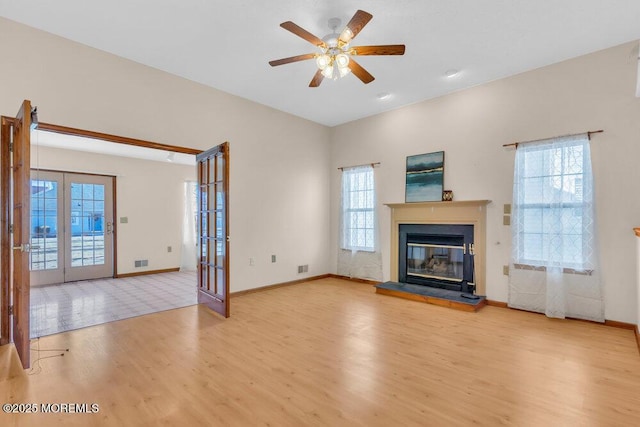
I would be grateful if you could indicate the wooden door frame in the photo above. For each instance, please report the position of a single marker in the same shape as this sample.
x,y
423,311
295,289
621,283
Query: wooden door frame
x,y
5,171
5,239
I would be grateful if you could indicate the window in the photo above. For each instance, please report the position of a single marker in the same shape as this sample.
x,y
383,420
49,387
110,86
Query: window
x,y
553,204
358,209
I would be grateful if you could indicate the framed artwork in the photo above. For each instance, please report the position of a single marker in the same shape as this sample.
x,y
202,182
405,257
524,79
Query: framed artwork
x,y
425,177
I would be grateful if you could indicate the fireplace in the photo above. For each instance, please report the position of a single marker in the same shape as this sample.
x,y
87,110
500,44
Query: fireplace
x,y
463,212
437,255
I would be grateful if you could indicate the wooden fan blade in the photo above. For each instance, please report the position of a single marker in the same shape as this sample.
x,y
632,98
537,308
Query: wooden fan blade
x,y
389,49
291,59
301,32
317,79
360,72
357,23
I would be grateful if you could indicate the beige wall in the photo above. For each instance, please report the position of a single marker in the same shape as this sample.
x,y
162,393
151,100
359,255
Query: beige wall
x,y
596,91
149,193
282,172
279,168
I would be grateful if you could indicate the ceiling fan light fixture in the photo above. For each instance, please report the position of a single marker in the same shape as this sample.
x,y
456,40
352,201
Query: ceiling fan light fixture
x,y
333,59
342,60
328,71
322,61
346,35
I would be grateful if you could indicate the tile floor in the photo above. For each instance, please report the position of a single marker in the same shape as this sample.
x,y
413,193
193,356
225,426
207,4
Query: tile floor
x,y
74,305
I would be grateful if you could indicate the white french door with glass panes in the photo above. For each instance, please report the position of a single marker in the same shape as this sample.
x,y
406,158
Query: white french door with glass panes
x,y
71,227
46,257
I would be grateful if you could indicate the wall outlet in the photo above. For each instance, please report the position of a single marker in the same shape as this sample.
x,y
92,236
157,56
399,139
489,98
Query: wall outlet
x,y
124,220
169,249
507,209
252,262
506,220
303,268
273,258
505,270
141,262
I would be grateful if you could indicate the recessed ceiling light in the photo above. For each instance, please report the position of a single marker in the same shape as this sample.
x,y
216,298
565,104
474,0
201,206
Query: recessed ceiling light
x,y
384,95
451,73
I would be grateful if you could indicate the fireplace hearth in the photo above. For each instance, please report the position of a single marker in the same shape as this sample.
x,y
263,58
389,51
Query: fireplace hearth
x,y
437,255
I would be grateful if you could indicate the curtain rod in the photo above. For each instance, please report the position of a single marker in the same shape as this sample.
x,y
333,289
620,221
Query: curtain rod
x,y
373,165
589,133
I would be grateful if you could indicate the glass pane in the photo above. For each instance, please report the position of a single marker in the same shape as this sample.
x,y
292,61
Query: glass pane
x,y
211,232
87,224
435,261
219,229
212,170
219,254
76,191
219,280
44,223
98,192
203,277
211,246
219,167
211,188
212,280
203,248
203,198
219,196
205,223
87,191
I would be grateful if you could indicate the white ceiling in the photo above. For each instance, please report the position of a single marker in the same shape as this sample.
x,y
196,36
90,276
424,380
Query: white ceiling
x,y
227,44
41,138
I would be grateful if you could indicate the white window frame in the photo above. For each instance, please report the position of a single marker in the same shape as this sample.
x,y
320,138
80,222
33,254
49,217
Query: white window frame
x,y
582,205
358,202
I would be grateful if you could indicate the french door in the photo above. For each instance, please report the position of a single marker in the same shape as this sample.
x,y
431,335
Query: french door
x,y
72,228
15,200
213,225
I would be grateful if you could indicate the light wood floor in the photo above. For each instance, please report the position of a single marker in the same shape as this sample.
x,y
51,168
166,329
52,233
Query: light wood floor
x,y
332,352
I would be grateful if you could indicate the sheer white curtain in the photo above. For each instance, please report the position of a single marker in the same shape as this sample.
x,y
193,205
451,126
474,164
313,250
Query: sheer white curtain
x,y
554,264
189,255
359,248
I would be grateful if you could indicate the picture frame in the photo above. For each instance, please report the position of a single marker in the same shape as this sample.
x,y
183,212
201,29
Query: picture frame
x,y
425,177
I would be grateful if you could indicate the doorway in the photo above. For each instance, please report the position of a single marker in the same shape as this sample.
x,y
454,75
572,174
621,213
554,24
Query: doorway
x,y
72,228
16,230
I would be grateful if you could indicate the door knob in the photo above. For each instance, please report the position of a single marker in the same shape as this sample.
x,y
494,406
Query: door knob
x,y
25,247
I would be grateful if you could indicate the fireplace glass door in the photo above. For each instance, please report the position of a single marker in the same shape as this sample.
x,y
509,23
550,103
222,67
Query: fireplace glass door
x,y
442,262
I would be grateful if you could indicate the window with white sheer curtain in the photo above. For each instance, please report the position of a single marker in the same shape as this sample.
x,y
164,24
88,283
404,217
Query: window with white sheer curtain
x,y
359,254
554,255
358,209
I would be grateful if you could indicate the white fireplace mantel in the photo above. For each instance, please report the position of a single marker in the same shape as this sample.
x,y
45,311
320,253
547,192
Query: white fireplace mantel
x,y
471,212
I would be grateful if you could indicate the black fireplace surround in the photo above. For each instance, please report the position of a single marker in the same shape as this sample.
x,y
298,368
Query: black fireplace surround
x,y
437,255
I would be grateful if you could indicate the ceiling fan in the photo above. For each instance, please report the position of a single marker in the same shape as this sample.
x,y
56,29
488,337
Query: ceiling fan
x,y
335,56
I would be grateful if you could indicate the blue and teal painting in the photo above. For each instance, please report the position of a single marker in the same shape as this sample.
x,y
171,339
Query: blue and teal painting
x,y
425,176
